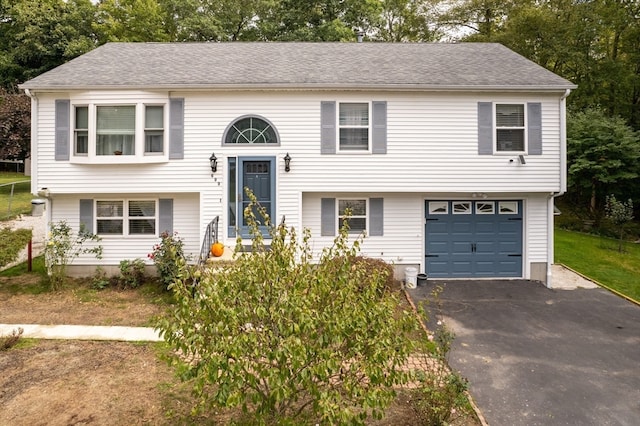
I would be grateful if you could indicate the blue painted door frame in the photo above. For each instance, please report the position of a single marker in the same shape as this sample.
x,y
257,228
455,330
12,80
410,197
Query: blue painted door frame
x,y
257,174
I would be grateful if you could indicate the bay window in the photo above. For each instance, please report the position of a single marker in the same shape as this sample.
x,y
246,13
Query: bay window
x,y
122,133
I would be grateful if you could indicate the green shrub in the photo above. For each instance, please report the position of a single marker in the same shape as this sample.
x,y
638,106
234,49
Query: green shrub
x,y
62,247
11,242
167,255
287,339
100,280
131,273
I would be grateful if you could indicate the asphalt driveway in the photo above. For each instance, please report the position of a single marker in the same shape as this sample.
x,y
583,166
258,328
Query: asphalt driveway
x,y
536,356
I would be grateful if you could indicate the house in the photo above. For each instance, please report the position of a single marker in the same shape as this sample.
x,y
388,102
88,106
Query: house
x,y
448,155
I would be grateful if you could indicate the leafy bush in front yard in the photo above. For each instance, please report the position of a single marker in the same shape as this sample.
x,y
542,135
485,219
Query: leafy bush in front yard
x,y
131,273
290,340
11,242
167,256
62,247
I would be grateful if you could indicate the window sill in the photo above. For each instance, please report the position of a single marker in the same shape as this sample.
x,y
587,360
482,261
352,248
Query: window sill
x,y
119,159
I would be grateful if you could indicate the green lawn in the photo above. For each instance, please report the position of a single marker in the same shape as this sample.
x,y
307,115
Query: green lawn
x,y
598,258
20,203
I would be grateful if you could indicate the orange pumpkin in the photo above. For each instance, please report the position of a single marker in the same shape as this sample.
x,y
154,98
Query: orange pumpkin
x,y
217,249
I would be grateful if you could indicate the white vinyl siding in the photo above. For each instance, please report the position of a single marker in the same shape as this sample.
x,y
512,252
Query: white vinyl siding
x,y
431,147
117,248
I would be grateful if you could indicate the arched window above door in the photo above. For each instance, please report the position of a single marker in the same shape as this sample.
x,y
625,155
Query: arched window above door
x,y
251,130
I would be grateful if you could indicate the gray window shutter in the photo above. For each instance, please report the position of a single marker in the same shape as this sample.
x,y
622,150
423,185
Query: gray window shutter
x,y
165,210
86,215
485,128
63,124
328,127
328,217
176,128
534,128
379,137
376,217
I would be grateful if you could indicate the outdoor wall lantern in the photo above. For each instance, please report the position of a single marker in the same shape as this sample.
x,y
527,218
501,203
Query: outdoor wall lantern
x,y
213,161
287,163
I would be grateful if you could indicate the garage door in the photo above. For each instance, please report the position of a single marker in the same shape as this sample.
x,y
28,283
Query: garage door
x,y
467,239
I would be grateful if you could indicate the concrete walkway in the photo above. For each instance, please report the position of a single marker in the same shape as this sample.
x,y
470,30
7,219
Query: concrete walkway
x,y
83,332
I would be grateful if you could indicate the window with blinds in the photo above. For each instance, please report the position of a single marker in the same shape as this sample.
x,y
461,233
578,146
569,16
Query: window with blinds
x,y
116,130
353,125
126,217
510,126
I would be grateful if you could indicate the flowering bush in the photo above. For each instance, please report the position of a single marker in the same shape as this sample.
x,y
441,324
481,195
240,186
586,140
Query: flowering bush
x,y
168,256
63,247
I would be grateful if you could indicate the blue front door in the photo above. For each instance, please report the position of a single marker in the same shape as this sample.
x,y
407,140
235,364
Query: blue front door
x,y
257,175
467,239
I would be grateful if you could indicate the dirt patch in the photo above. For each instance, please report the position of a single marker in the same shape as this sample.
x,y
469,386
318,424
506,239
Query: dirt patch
x,y
77,304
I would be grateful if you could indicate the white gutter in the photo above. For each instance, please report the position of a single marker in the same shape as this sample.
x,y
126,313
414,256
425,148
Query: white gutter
x,y
563,186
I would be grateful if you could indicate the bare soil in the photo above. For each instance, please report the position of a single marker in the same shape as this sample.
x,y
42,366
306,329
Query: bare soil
x,y
54,382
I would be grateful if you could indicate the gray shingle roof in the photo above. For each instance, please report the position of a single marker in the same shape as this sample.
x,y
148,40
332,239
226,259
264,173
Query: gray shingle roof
x,y
300,65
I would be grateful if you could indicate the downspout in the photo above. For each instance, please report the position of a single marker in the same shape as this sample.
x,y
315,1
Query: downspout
x,y
34,140
563,186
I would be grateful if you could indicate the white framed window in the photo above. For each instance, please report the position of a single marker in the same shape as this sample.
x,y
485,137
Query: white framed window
x,y
461,207
126,217
508,207
251,130
485,207
153,129
438,207
116,132
81,130
356,211
510,128
353,126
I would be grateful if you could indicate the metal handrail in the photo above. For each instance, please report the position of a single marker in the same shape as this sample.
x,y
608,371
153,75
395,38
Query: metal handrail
x,y
210,237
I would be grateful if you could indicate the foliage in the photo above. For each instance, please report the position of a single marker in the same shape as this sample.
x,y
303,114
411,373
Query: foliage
x,y
100,280
38,35
603,154
15,125
168,255
131,273
440,396
598,259
7,342
287,339
130,21
620,214
11,242
62,247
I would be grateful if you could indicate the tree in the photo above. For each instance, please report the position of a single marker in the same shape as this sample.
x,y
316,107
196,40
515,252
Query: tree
x,y
15,125
619,213
38,35
479,20
287,339
603,156
407,20
131,21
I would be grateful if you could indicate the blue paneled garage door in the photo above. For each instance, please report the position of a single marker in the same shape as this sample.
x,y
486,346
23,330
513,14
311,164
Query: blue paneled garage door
x,y
467,239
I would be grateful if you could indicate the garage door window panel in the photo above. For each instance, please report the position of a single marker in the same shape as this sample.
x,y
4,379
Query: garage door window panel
x,y
462,207
485,207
